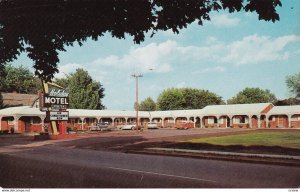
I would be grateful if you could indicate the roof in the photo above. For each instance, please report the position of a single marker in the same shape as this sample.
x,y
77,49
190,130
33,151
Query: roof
x,y
23,110
17,99
292,109
235,109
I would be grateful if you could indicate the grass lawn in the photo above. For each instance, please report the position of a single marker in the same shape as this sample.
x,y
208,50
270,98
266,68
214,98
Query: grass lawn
x,y
268,138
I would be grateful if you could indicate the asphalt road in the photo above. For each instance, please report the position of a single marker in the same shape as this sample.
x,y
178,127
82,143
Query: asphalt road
x,y
50,165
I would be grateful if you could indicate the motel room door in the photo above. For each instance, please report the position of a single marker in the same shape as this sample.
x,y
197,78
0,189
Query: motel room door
x,y
27,126
280,121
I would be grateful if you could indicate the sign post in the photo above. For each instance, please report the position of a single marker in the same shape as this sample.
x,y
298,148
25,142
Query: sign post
x,y
55,102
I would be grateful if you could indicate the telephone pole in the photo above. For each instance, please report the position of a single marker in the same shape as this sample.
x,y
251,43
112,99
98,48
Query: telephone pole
x,y
136,76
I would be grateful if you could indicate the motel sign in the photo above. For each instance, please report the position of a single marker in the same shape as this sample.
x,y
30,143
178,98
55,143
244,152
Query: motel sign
x,y
58,115
49,101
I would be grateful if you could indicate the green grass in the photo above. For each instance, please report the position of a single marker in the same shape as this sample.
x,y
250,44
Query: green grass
x,y
268,138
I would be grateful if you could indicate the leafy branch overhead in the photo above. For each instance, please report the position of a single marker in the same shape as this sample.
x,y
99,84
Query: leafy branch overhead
x,y
41,28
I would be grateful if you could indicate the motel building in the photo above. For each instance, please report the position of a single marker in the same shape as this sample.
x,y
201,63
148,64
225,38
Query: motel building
x,y
29,119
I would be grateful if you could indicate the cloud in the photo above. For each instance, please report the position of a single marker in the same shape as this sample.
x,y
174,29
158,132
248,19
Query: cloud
x,y
152,56
210,70
258,49
181,85
224,21
167,56
67,69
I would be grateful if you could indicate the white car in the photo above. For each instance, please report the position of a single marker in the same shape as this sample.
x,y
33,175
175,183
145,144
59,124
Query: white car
x,y
152,125
128,127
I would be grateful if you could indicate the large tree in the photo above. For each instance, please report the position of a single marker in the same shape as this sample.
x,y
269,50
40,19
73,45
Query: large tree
x,y
1,101
42,28
187,98
147,105
84,92
293,83
19,79
252,95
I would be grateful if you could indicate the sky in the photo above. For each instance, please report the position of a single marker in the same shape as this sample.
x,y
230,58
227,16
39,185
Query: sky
x,y
225,55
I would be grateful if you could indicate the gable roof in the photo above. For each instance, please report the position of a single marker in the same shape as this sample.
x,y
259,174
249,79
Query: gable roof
x,y
235,109
278,110
18,99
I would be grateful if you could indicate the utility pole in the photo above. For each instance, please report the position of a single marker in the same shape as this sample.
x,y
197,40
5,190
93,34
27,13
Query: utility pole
x,y
136,76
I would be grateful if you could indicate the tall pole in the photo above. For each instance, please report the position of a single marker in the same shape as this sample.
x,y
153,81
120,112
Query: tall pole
x,y
136,76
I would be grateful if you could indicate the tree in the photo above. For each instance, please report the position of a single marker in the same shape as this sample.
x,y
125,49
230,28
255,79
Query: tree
x,y
43,28
187,98
293,83
147,105
253,95
84,92
19,79
1,101
289,101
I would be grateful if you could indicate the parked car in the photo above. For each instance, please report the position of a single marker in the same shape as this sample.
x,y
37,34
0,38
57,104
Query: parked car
x,y
100,127
94,128
129,127
103,125
185,125
152,125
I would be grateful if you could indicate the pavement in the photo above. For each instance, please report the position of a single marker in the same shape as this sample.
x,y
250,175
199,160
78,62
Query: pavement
x,y
98,161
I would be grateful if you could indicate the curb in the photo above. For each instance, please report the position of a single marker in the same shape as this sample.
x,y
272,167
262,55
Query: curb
x,y
216,155
227,153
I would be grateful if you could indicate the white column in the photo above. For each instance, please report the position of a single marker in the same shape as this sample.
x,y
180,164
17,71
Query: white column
x,y
289,121
267,121
43,123
98,119
0,122
200,122
250,121
194,122
231,121
113,121
82,119
126,119
16,123
218,121
163,122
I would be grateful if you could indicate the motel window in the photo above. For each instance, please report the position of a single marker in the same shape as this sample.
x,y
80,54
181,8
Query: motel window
x,y
273,118
295,117
35,121
243,119
221,120
211,120
10,121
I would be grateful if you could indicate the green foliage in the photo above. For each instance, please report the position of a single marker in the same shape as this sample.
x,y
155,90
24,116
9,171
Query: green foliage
x,y
285,102
293,83
19,79
253,95
147,105
187,98
84,92
1,101
43,28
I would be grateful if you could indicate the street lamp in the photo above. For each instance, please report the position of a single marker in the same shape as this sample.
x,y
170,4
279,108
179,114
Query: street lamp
x,y
136,76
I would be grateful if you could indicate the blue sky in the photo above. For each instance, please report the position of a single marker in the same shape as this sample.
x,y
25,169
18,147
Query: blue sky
x,y
225,55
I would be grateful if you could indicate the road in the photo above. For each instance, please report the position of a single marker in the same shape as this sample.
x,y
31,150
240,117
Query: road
x,y
51,164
